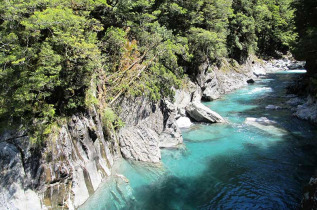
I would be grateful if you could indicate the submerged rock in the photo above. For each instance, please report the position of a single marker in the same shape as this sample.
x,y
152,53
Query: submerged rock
x,y
273,107
184,122
200,113
250,81
265,124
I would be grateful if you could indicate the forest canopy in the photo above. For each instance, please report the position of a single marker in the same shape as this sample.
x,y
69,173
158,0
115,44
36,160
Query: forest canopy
x,y
60,57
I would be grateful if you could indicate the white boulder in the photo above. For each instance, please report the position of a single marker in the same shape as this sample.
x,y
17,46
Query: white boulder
x,y
183,122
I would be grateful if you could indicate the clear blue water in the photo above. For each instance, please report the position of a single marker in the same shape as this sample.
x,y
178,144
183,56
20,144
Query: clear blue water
x,y
225,166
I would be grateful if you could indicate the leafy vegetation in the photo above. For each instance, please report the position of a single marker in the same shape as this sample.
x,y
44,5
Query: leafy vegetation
x,y
61,57
306,45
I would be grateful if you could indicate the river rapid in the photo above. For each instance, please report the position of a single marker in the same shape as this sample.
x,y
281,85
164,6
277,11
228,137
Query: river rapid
x,y
235,165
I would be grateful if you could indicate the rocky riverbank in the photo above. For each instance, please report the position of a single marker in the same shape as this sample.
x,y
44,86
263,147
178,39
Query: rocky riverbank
x,y
61,174
72,164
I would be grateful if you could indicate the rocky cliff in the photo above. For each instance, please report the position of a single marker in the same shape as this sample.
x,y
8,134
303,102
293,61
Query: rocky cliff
x,y
61,174
65,171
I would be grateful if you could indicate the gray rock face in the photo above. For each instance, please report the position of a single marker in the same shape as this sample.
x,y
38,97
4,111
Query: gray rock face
x,y
201,113
212,87
216,82
14,191
149,128
258,70
184,96
139,143
63,173
171,135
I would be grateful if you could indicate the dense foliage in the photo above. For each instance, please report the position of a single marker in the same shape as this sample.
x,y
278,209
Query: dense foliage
x,y
59,57
306,24
305,47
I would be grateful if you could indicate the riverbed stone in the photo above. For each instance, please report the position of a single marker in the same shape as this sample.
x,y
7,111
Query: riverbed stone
x,y
273,107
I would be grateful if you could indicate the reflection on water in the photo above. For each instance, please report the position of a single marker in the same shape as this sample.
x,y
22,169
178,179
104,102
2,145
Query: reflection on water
x,y
225,166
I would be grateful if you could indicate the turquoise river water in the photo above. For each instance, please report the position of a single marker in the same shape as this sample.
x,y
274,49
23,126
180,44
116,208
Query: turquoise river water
x,y
224,166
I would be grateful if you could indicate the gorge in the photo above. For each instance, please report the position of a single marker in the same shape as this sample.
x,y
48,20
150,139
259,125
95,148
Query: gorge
x,y
229,165
155,104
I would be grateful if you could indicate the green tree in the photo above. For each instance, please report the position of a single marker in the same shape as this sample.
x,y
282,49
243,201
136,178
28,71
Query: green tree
x,y
48,55
306,45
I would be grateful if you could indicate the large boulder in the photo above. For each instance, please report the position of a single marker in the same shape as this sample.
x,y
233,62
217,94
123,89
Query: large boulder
x,y
184,122
200,113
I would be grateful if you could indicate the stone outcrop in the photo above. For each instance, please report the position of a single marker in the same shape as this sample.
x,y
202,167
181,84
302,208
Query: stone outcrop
x,y
304,107
216,81
308,110
149,128
61,174
192,92
284,64
15,192
200,113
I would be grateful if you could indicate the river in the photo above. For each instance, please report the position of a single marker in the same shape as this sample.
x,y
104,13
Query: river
x,y
225,166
